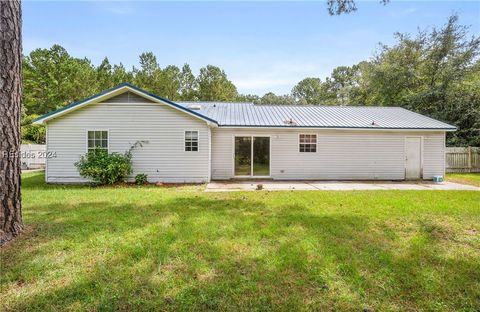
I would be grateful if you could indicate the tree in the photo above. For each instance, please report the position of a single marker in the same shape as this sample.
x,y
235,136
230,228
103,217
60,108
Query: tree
x,y
343,85
104,75
148,64
149,76
11,223
249,98
170,87
434,73
463,109
339,7
32,133
120,75
309,90
188,84
213,85
53,79
271,98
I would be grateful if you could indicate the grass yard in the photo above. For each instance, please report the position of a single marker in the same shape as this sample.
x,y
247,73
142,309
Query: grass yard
x,y
150,248
465,178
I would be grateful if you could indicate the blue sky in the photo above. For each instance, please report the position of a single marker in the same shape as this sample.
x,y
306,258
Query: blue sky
x,y
262,46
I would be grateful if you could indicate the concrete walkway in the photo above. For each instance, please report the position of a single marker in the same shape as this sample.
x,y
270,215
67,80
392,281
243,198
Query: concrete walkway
x,y
31,170
229,186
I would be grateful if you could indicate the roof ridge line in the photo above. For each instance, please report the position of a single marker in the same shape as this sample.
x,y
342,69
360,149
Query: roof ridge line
x,y
333,106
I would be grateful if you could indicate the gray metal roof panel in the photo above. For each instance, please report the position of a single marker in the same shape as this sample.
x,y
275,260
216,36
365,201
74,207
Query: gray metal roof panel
x,y
368,117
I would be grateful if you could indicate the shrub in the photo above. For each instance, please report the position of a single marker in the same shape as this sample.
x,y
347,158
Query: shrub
x,y
31,133
104,168
141,179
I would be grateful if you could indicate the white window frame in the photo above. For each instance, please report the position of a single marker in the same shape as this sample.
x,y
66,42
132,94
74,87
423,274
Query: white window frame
x,y
316,143
185,140
108,138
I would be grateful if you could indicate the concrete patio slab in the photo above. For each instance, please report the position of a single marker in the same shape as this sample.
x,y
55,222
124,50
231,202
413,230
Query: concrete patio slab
x,y
229,186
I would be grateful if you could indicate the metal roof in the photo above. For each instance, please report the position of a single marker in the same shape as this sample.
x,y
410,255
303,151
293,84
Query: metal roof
x,y
362,117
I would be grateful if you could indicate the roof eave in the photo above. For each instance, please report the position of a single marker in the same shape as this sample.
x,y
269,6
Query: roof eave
x,y
339,128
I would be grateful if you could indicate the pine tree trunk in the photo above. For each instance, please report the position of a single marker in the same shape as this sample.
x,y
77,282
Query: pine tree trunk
x,y
10,103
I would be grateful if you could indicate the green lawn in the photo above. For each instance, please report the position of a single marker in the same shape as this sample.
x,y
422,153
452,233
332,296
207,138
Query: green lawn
x,y
151,248
465,178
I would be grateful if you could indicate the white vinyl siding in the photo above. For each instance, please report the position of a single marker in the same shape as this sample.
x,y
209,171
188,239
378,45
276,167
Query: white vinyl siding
x,y
341,154
162,157
433,156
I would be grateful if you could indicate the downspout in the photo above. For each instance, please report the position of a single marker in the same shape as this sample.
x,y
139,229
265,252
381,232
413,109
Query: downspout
x,y
210,126
444,148
46,150
209,154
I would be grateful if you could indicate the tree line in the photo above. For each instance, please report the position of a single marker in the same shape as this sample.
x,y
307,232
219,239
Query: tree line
x,y
436,72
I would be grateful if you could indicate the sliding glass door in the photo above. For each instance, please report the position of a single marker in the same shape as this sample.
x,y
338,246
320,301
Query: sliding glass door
x,y
261,156
243,156
252,156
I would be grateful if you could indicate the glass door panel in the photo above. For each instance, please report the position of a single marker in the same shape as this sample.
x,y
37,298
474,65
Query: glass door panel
x,y
243,156
261,156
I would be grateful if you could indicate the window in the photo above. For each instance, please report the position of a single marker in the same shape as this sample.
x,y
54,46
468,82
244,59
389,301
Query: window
x,y
97,139
191,141
308,143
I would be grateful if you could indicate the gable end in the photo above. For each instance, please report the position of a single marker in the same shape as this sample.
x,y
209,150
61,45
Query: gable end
x,y
120,90
127,97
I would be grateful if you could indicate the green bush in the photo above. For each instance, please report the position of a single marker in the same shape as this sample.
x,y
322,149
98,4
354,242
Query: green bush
x,y
105,168
31,133
141,179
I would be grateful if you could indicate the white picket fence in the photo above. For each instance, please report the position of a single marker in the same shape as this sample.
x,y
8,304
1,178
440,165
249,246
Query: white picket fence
x,y
32,156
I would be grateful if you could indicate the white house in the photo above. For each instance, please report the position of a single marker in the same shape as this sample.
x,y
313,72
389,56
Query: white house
x,y
197,142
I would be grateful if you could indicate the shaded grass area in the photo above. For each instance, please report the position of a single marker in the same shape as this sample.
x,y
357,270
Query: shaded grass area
x,y
464,178
150,248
